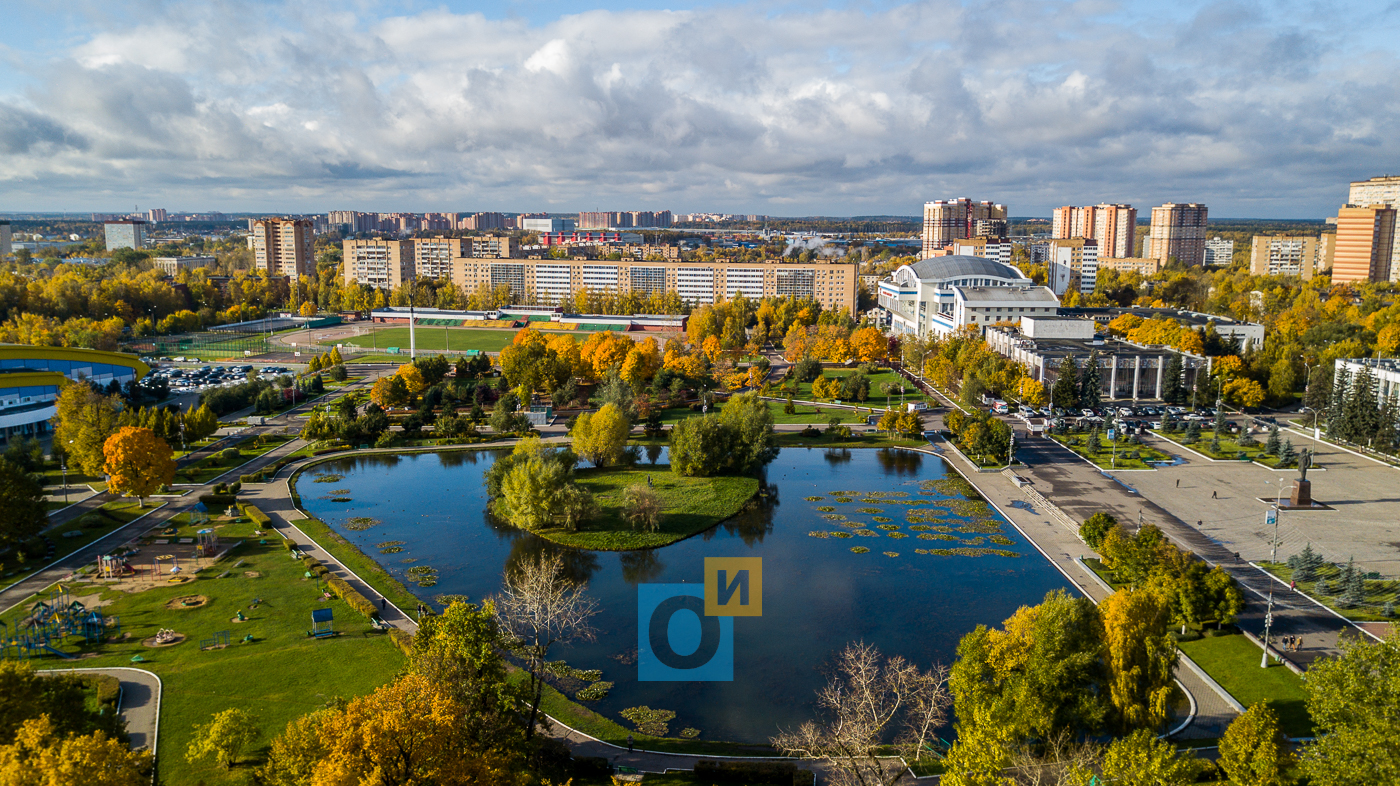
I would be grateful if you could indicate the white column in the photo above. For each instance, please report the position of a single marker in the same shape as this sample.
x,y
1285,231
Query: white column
x,y
1137,372
1161,369
1113,380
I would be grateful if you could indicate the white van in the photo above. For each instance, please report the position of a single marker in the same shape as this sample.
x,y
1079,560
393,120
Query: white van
x,y
917,406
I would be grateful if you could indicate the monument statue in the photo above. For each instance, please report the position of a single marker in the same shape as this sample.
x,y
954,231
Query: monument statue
x,y
1302,487
1304,462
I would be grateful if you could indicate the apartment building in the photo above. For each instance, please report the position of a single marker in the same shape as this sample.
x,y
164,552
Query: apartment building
x,y
1112,227
547,280
1281,255
6,240
283,246
547,224
1139,265
1178,231
171,266
483,221
379,262
1381,191
1074,265
1365,244
624,219
126,233
1219,251
636,251
958,219
156,215
995,248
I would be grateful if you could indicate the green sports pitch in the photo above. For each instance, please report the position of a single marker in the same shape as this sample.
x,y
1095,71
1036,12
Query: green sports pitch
x,y
435,338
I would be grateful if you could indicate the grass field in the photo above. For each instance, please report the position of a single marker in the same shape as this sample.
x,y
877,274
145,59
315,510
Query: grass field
x,y
278,676
351,557
877,398
92,526
1233,661
1106,459
1379,592
805,413
207,469
690,505
1230,449
437,338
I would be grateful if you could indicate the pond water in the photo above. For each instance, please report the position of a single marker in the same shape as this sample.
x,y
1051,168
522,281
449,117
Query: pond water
x,y
817,594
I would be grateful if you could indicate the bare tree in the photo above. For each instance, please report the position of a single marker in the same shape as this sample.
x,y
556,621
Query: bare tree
x,y
539,607
866,698
643,506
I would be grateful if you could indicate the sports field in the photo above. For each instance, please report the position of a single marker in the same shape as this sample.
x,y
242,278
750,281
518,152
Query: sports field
x,y
451,339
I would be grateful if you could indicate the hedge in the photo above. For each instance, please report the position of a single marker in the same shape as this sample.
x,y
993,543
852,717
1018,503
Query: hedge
x,y
403,639
352,597
255,478
258,517
779,773
217,501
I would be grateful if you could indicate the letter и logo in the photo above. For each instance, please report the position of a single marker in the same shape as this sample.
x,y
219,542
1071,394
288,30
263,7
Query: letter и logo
x,y
734,586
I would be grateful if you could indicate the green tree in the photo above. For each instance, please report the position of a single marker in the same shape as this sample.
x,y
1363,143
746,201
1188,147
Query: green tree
x,y
601,438
1140,655
529,496
1065,392
1352,700
1091,382
1094,528
1254,751
699,446
1272,443
224,738
1140,759
23,508
749,422
643,507
1173,381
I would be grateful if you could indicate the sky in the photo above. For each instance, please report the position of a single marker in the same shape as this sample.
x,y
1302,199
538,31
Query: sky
x,y
1255,109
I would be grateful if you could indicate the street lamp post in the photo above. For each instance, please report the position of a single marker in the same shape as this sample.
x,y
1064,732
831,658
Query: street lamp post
x,y
1273,513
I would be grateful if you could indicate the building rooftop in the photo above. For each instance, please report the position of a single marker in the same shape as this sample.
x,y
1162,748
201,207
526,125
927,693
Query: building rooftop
x,y
1189,318
958,266
1039,295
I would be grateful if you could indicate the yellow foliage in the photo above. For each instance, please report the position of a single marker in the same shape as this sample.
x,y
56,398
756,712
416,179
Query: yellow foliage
x,y
1226,367
37,757
1031,392
1124,324
412,378
605,351
1140,656
138,462
686,365
1244,392
601,437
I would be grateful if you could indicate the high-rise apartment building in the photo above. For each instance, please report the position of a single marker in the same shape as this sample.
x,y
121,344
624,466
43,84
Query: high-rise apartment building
x,y
959,219
623,219
1178,231
1219,251
6,244
156,214
283,246
1280,255
482,221
1365,244
1073,265
126,233
1381,191
985,247
1112,227
379,262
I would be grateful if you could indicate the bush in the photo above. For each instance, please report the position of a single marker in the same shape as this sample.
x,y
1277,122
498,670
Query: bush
x,y
1094,528
402,639
255,478
338,373
776,772
217,502
108,688
352,597
807,370
228,454
258,517
235,487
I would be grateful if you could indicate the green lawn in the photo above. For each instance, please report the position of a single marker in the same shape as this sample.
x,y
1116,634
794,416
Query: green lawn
x,y
690,505
280,675
805,413
92,526
1378,592
438,338
351,557
1233,661
1106,459
205,470
877,398
1230,449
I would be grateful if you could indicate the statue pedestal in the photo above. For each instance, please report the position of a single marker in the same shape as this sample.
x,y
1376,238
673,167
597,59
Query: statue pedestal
x,y
1302,494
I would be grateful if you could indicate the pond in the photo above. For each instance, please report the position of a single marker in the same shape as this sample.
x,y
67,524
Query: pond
x,y
817,594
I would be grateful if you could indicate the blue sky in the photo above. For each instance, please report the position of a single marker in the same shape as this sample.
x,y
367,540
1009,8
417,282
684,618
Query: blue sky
x,y
784,108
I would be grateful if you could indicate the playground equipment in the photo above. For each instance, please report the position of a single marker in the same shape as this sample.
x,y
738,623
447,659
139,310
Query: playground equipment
x,y
50,622
113,566
220,639
321,623
207,543
160,560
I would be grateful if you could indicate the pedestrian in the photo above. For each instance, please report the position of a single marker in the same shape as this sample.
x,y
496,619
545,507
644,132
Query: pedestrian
x,y
648,481
1293,585
1178,482
629,743
1213,496
383,603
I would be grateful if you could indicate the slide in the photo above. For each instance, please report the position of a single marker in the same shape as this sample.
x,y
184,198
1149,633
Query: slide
x,y
59,653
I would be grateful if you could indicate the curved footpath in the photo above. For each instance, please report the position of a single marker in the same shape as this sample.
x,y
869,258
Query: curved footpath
x,y
139,703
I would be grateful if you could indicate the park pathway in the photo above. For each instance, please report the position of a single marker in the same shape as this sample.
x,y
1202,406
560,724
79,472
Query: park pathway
x,y
139,704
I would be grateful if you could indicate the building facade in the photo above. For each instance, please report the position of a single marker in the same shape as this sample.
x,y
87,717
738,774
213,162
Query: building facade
x,y
30,379
1112,227
6,242
1178,231
1126,371
1365,244
1385,371
378,262
1139,265
1073,265
1281,255
283,246
483,221
127,233
171,266
1219,251
958,219
547,224
920,298
1381,192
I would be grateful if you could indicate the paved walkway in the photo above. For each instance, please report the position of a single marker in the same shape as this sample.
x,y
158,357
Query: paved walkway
x,y
139,704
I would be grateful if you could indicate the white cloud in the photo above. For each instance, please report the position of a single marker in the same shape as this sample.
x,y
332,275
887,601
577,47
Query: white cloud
x,y
835,111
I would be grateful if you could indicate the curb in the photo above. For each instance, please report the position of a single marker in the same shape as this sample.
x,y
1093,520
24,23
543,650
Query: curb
x,y
160,694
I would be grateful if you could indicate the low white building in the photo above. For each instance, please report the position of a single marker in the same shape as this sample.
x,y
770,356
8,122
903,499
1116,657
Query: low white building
x,y
173,265
983,306
1386,372
921,298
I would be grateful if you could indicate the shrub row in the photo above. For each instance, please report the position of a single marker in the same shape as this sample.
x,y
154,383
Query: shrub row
x,y
256,477
108,688
217,502
780,773
402,639
352,597
258,517
331,449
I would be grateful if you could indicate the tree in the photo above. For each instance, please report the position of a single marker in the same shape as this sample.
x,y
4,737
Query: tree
x,y
138,462
1271,445
1174,381
539,607
201,423
1094,528
24,511
1140,655
1031,392
601,438
224,738
1193,433
699,446
1244,392
643,507
749,423
1090,382
389,392
1065,392
869,345
866,697
536,487
1254,751
38,756
1351,700
1287,456
1140,759
83,419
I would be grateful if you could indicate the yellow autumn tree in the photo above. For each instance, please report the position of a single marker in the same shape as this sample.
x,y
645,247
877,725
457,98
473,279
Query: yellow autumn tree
x,y
1031,392
869,345
38,757
83,421
1140,655
389,391
308,309
601,437
138,462
1243,392
412,378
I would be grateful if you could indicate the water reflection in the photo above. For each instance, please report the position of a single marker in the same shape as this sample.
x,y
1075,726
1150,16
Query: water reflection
x,y
579,565
641,567
837,455
899,462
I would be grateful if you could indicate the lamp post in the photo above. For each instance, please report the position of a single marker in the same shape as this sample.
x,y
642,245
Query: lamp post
x,y
1274,514
63,461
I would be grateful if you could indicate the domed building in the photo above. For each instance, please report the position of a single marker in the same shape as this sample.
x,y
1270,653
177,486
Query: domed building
x,y
30,378
938,295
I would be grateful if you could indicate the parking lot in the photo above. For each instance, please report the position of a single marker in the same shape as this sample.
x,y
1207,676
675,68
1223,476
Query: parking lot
x,y
188,375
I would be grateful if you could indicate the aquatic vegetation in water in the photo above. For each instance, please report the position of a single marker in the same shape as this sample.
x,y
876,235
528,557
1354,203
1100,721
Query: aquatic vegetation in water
x,y
827,508
446,599
648,720
833,517
985,526
841,535
865,533
843,499
361,523
951,487
1001,540
963,551
881,519
969,508
391,550
328,478
897,535
819,533
423,575
936,536
887,526
814,499
690,733
594,692
891,553
386,544
859,550
870,510
921,528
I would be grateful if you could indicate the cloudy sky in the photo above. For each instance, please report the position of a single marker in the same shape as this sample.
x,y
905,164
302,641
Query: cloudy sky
x,y
785,108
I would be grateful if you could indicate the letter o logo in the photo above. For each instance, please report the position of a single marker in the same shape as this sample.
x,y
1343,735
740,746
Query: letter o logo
x,y
658,633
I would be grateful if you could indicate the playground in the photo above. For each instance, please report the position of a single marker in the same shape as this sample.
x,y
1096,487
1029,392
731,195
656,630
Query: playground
x,y
232,627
